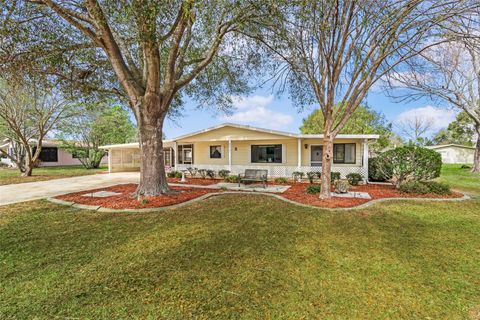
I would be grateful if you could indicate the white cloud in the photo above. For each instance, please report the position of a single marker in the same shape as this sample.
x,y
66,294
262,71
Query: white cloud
x,y
439,118
253,110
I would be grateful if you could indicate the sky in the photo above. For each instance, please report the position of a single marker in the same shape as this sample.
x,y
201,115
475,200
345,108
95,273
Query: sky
x,y
262,108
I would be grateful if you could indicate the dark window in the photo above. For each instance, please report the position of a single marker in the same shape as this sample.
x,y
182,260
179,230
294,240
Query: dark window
x,y
344,153
267,153
215,152
49,154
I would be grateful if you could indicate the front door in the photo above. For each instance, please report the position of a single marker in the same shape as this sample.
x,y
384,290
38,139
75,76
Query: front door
x,y
316,156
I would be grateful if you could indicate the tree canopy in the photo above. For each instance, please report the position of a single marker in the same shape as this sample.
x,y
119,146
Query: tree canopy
x,y
460,131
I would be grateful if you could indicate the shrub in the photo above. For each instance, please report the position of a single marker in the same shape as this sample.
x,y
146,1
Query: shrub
x,y
281,180
410,163
423,187
174,174
231,179
203,173
210,174
223,173
297,175
193,171
312,189
465,166
334,176
354,178
375,173
311,176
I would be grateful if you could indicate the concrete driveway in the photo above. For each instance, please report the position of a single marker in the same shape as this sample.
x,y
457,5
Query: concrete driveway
x,y
21,192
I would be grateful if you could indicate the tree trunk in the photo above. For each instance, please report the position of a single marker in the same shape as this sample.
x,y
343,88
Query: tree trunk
x,y
326,168
153,180
476,157
27,169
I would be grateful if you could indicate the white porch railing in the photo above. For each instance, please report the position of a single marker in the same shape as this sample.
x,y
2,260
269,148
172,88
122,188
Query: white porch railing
x,y
273,170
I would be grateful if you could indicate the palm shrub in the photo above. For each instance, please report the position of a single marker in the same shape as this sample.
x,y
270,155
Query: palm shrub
x,y
281,180
223,173
410,163
202,173
210,174
298,175
334,175
192,171
311,176
354,178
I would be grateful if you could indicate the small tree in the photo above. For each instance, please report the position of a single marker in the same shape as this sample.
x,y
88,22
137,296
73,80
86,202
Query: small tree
x,y
27,115
415,129
94,126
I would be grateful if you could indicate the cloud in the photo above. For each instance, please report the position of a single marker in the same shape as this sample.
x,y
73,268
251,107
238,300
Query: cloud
x,y
253,110
439,118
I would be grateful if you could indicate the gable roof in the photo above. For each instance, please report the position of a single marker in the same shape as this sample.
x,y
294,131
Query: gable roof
x,y
440,146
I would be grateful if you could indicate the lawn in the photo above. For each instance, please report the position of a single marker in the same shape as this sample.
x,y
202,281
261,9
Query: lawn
x,y
11,176
242,256
461,179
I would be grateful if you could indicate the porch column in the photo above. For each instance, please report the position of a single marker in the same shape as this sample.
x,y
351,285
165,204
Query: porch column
x,y
299,151
365,159
110,155
175,155
230,155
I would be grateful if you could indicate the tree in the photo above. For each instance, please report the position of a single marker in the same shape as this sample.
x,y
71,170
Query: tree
x,y
332,52
363,121
92,127
415,128
149,53
460,131
449,72
27,115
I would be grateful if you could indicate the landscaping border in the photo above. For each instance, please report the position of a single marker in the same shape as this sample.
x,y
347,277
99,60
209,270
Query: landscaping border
x,y
214,194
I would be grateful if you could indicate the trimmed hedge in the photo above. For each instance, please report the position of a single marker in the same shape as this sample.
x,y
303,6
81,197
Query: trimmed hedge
x,y
354,178
424,187
231,179
174,174
312,189
374,172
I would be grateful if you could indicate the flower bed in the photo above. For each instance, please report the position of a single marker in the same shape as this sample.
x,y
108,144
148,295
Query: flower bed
x,y
125,200
196,181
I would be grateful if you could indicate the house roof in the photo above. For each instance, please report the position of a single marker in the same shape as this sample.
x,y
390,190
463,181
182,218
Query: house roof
x,y
441,146
251,128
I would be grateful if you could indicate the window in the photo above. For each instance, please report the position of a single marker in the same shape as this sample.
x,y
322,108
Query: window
x,y
267,153
215,152
185,154
49,154
344,153
168,157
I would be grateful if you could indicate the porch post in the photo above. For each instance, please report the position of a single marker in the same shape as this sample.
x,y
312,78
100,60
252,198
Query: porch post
x,y
110,154
230,155
365,159
175,155
299,151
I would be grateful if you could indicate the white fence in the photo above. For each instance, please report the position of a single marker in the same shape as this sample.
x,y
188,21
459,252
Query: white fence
x,y
274,171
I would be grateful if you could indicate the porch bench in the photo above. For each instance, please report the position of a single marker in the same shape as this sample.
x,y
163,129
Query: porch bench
x,y
253,175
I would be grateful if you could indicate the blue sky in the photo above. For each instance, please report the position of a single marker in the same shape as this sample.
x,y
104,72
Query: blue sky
x,y
262,108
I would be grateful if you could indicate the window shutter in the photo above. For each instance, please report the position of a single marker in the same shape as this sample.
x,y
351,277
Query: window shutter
x,y
222,151
284,153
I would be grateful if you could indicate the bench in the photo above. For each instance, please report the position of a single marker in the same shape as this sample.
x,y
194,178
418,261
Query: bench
x,y
253,175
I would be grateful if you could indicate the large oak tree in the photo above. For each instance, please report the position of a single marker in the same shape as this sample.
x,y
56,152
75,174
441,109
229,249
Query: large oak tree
x,y
150,53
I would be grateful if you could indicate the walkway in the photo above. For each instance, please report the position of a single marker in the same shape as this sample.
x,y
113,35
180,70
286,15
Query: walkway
x,y
14,193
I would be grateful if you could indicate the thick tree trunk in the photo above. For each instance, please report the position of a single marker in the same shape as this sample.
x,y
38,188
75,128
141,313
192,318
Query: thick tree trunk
x,y
326,168
476,157
153,180
27,169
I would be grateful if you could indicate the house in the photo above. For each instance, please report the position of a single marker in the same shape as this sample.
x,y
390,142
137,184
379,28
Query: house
x,y
455,153
238,147
50,156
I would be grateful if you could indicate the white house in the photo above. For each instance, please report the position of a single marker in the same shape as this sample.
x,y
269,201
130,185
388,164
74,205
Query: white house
x,y
455,153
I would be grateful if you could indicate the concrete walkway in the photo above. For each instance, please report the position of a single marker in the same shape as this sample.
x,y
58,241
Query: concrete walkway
x,y
21,192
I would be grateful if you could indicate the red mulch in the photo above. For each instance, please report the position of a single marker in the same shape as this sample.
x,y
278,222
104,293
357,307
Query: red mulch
x,y
127,201
297,193
197,181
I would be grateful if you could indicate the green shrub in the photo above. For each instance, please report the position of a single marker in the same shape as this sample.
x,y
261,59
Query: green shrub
x,y
311,176
312,189
465,166
354,178
203,173
193,171
174,174
211,174
281,180
423,187
231,179
334,176
298,175
223,173
437,187
410,163
376,174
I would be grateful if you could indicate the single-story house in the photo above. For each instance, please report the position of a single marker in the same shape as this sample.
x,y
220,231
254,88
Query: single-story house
x,y
455,153
238,147
50,156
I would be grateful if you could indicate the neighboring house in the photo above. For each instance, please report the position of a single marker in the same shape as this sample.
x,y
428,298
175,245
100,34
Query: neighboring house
x,y
236,148
50,156
455,153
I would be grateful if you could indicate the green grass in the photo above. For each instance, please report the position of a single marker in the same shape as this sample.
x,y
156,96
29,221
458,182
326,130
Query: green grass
x,y
461,179
11,176
242,256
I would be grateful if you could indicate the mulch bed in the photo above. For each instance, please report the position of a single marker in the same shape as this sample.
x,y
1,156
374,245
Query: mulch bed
x,y
126,201
197,181
297,193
